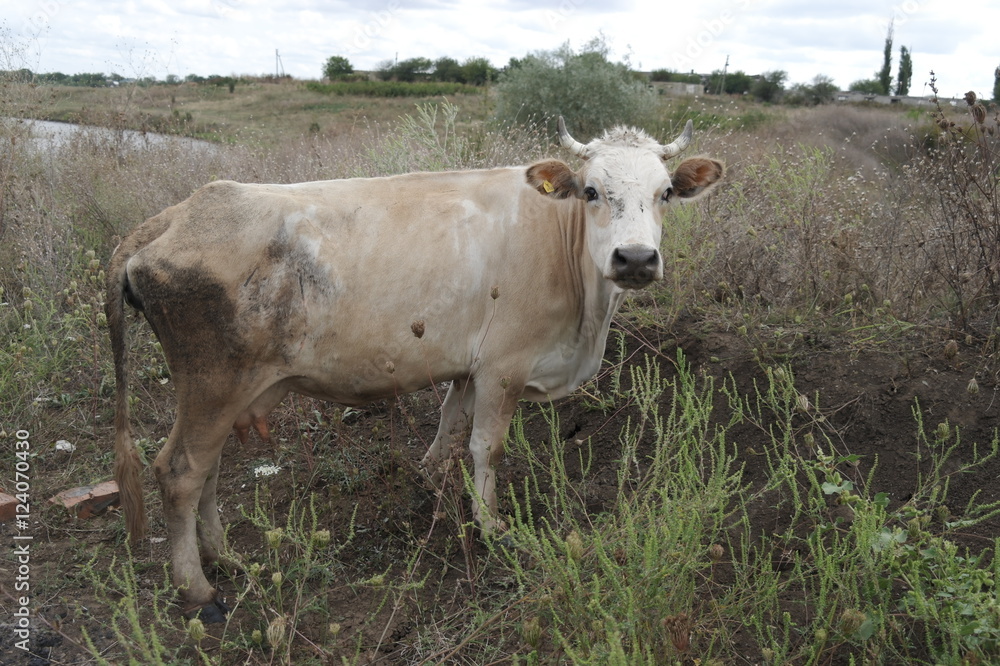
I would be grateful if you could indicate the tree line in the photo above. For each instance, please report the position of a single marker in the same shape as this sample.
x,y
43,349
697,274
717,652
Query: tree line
x,y
102,80
474,71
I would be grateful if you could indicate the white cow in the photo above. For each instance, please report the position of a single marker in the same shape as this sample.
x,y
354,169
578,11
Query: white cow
x,y
501,281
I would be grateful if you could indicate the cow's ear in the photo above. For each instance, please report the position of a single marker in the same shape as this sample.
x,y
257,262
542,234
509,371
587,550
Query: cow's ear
x,y
696,176
553,178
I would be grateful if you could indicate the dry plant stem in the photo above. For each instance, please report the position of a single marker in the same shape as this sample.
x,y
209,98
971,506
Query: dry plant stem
x,y
398,602
443,657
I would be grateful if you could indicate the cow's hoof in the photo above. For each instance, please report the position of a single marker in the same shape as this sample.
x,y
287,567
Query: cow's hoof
x,y
213,612
504,541
433,473
496,533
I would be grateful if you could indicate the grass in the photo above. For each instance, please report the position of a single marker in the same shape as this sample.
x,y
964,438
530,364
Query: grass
x,y
656,553
672,568
254,113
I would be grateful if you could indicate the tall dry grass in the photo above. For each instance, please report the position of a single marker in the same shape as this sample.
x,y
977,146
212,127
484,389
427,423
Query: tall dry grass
x,y
858,210
825,211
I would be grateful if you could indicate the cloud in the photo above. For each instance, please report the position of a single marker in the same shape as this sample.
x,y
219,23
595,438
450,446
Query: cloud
x,y
843,40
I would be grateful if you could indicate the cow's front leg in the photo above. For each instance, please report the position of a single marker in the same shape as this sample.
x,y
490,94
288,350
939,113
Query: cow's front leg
x,y
456,414
496,400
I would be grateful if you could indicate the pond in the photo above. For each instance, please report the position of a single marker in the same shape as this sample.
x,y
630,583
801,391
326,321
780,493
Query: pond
x,y
49,135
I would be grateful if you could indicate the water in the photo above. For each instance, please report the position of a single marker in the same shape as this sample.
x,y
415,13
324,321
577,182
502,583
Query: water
x,y
49,135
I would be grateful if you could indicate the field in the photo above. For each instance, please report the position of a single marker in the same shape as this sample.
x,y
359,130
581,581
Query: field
x,y
788,457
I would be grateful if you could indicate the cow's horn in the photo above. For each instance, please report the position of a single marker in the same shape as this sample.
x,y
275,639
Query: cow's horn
x,y
568,141
680,143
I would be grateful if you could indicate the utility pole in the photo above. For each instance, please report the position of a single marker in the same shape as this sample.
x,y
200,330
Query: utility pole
x,y
278,66
722,85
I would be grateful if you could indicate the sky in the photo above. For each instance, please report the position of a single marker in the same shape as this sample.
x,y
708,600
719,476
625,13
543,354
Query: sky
x,y
842,40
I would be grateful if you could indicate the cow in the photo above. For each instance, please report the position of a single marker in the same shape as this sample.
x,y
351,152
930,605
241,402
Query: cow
x,y
502,282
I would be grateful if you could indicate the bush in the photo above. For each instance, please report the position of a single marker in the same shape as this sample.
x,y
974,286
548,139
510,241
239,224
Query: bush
x,y
670,75
592,92
389,88
962,198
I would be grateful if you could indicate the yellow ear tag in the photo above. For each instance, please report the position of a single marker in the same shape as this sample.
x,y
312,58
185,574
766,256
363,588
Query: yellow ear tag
x,y
547,186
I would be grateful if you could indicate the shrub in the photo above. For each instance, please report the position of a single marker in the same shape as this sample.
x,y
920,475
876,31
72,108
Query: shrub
x,y
592,92
961,245
389,88
670,75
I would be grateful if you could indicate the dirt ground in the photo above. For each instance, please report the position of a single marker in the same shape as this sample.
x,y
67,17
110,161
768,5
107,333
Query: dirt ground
x,y
867,394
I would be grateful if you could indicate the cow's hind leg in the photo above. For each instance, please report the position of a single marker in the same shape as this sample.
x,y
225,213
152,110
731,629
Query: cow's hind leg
x,y
456,415
210,532
209,522
187,463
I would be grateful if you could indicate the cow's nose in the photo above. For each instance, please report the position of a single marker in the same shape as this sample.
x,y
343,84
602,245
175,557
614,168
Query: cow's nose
x,y
635,265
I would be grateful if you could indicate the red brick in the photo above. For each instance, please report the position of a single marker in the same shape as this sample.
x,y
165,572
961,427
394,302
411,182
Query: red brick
x,y
7,504
89,501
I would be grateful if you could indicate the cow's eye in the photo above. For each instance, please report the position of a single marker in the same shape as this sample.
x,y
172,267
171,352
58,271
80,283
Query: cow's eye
x,y
590,193
667,194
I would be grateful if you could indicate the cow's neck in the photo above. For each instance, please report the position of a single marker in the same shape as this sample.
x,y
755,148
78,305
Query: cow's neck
x,y
593,301
600,301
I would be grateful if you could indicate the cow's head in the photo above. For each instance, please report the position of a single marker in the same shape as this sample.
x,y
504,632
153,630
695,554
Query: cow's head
x,y
625,188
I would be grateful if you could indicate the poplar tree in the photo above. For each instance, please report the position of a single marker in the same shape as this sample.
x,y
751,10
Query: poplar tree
x,y
905,73
884,75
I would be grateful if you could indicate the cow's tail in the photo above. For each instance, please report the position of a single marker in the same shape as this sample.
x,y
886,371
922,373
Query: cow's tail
x,y
128,466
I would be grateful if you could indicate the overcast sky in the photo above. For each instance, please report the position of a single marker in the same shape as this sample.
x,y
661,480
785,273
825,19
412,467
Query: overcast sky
x,y
843,40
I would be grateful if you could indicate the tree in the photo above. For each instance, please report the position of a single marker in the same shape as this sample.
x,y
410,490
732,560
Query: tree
x,y
671,75
823,89
769,86
478,71
820,91
385,69
905,73
512,64
996,84
411,69
589,90
867,86
736,83
884,75
447,69
336,67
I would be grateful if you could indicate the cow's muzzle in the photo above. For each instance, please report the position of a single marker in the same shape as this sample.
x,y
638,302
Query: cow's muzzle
x,y
635,266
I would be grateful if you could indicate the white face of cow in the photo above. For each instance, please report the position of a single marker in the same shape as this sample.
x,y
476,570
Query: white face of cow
x,y
625,188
